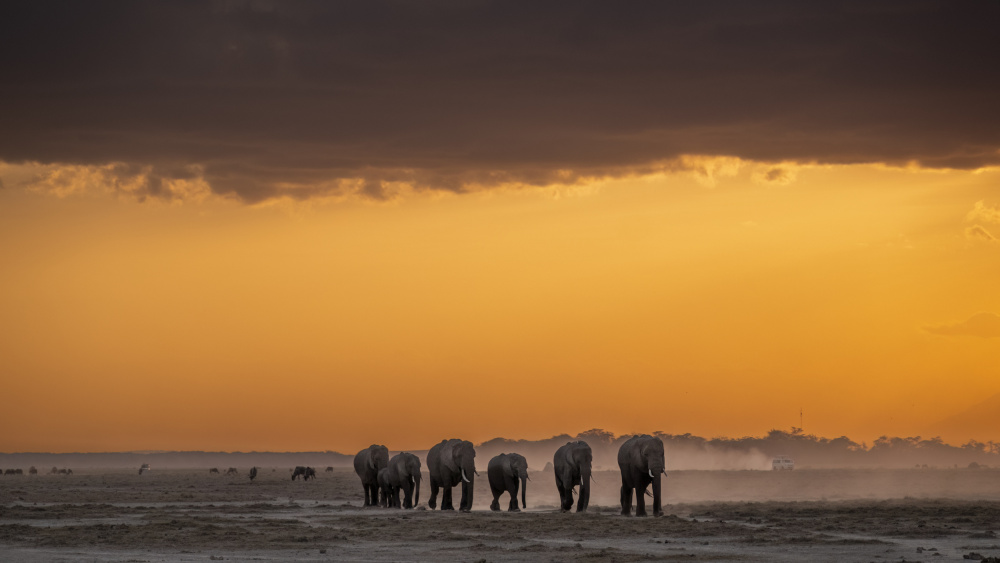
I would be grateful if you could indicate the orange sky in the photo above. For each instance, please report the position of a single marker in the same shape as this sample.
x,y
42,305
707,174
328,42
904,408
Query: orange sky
x,y
708,300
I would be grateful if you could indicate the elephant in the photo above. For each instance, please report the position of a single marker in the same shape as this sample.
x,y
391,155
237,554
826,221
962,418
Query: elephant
x,y
404,475
572,467
367,464
641,461
449,463
384,489
253,473
504,471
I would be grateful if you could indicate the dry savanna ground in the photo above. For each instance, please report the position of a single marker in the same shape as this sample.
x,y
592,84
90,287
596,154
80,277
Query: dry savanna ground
x,y
934,515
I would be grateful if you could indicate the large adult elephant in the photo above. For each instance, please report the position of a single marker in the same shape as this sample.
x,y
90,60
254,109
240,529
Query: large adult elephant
x,y
504,472
452,462
572,467
367,464
404,475
641,461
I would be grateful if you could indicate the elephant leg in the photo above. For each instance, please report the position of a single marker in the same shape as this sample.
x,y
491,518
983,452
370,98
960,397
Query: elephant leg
x,y
565,495
446,498
407,494
466,503
512,489
367,499
640,501
626,500
432,502
568,499
395,497
657,507
495,505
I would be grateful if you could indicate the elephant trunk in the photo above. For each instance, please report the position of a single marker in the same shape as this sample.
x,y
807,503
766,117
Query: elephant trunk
x,y
584,501
524,490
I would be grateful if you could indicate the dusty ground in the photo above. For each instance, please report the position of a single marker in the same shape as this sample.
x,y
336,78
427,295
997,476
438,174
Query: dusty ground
x,y
835,515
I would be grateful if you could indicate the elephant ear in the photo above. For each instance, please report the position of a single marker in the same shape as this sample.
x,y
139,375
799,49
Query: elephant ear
x,y
505,464
371,457
568,455
448,456
637,458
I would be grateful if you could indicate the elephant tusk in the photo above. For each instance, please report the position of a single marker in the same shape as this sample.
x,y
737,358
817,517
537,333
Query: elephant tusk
x,y
650,473
464,478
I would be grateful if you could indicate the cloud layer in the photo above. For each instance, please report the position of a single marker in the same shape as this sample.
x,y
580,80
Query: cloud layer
x,y
983,325
296,98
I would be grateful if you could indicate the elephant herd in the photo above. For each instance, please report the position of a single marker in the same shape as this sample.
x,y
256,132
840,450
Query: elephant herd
x,y
452,462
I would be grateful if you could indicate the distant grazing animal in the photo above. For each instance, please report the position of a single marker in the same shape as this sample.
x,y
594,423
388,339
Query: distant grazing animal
x,y
504,472
32,470
66,471
54,471
9,472
572,467
232,471
449,463
18,472
641,461
253,473
329,469
145,467
213,470
305,472
367,464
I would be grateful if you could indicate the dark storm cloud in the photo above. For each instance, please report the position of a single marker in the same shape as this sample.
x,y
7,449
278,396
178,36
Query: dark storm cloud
x,y
445,95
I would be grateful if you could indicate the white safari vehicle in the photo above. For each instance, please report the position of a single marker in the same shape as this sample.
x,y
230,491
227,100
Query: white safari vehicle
x,y
782,463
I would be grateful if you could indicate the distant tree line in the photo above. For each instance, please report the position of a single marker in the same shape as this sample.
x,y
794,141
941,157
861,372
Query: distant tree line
x,y
687,451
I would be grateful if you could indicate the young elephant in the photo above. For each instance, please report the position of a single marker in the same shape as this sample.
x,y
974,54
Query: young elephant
x,y
504,471
641,461
572,467
404,475
385,497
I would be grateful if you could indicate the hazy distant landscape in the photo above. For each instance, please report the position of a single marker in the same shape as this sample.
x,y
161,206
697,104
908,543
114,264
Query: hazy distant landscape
x,y
683,452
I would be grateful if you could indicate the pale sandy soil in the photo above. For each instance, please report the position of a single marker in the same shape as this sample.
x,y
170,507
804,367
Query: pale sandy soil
x,y
830,515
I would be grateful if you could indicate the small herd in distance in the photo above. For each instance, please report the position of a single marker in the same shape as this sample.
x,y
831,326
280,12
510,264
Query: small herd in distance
x,y
34,471
395,483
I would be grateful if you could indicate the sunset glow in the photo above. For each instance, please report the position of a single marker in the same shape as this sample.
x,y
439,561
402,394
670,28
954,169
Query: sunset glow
x,y
436,287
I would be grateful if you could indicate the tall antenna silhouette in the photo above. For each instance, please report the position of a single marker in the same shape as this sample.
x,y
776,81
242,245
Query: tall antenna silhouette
x,y
800,418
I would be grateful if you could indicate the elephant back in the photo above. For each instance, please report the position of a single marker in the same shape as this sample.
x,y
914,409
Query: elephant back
x,y
434,461
631,451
